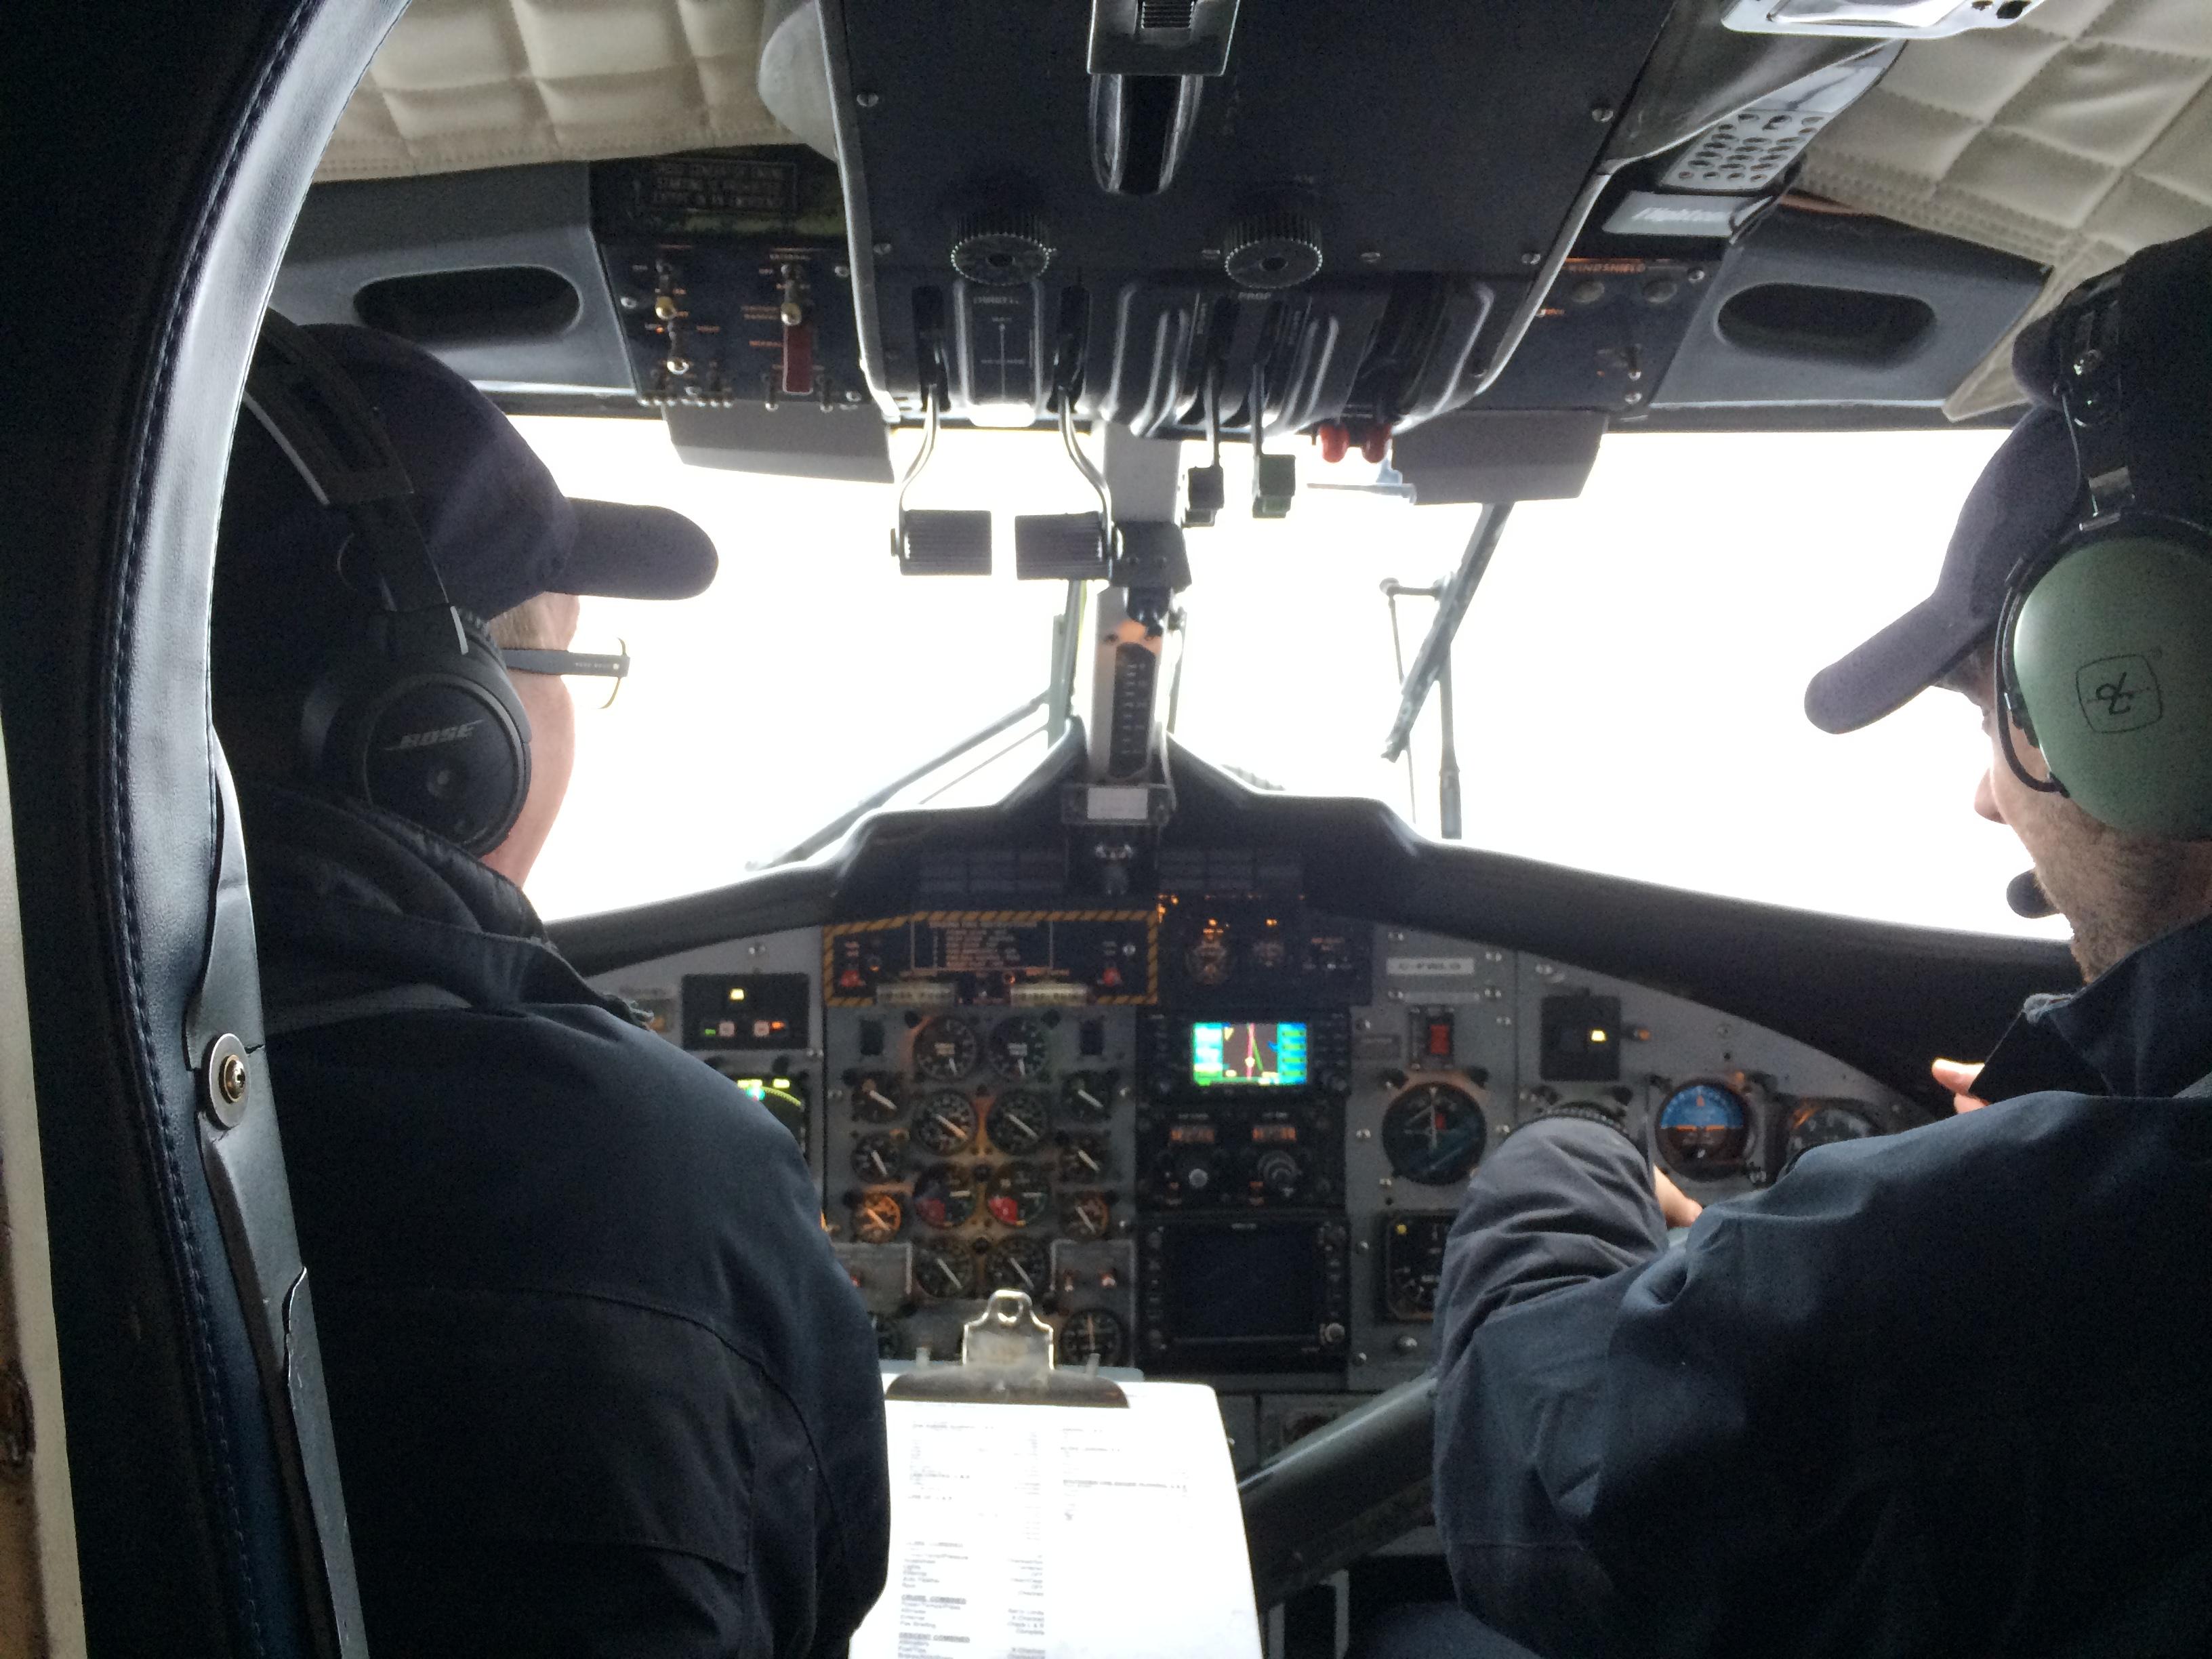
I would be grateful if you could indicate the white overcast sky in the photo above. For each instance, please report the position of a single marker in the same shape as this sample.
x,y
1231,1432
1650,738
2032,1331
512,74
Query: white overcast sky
x,y
1629,678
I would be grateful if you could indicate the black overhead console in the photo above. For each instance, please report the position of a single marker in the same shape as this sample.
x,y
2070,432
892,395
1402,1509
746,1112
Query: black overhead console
x,y
1121,203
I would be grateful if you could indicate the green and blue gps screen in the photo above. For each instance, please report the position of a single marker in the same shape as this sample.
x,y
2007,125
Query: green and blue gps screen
x,y
1271,1054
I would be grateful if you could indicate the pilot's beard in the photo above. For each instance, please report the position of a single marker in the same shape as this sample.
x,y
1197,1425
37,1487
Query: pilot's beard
x,y
2119,890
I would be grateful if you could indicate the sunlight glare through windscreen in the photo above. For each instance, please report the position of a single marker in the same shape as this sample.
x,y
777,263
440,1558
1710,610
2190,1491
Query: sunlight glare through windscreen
x,y
1629,687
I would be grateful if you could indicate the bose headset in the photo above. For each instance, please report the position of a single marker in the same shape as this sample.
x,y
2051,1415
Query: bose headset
x,y
2104,653
415,716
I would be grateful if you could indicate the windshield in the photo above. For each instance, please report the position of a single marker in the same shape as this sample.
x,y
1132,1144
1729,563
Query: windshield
x,y
1627,683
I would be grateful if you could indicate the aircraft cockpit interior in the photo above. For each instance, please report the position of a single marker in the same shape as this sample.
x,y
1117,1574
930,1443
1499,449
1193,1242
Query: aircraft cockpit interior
x,y
1199,1065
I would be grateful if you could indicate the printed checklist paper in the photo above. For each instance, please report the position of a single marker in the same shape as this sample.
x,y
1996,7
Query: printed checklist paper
x,y
1014,1528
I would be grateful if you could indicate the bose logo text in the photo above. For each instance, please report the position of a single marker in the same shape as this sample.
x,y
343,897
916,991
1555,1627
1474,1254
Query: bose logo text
x,y
432,738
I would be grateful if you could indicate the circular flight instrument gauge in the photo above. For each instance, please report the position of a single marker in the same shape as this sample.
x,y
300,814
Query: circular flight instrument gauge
x,y
881,1156
1087,1215
875,1097
1092,1333
944,1195
1087,1096
1704,1130
944,1271
945,1050
1819,1123
1021,1264
1018,1122
943,1122
877,1218
1083,1158
1434,1134
1018,1194
1020,1048
1209,960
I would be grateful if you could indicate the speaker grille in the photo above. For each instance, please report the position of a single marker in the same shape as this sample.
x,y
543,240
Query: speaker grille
x,y
1746,152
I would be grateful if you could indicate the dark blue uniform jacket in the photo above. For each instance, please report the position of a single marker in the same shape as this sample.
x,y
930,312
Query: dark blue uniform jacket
x,y
1945,1393
598,1384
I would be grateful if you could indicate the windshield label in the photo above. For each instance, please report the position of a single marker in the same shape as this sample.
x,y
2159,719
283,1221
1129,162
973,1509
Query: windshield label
x,y
1430,967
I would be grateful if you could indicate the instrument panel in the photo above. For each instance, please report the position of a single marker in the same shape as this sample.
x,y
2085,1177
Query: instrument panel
x,y
1218,1137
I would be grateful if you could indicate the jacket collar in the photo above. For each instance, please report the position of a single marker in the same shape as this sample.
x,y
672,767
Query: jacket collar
x,y
348,898
2141,1028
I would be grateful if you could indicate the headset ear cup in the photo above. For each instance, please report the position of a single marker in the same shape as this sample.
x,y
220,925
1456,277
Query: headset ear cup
x,y
2112,658
442,741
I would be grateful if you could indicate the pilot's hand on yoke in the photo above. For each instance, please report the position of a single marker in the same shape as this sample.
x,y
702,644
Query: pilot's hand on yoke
x,y
1679,1209
1959,1076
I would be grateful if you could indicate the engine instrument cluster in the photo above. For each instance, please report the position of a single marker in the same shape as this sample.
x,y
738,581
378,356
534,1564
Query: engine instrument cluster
x,y
1220,1135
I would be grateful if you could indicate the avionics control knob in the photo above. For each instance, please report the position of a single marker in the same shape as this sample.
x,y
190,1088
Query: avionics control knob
x,y
1002,250
1194,1173
1279,1173
1271,250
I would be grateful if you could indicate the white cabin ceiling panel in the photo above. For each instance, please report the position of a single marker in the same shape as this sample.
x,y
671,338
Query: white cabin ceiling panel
x,y
488,83
2073,139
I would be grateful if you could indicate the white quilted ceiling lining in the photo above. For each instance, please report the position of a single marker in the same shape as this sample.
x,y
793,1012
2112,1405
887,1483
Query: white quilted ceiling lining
x,y
485,84
2072,138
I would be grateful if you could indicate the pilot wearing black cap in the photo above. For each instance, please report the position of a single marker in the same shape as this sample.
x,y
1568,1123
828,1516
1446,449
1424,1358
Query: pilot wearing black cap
x,y
597,1385
1948,1392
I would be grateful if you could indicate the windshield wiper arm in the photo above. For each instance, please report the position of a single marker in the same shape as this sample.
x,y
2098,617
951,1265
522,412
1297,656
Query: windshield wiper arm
x,y
1435,652
851,815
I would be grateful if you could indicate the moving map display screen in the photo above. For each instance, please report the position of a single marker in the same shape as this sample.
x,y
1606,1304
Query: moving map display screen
x,y
1266,1053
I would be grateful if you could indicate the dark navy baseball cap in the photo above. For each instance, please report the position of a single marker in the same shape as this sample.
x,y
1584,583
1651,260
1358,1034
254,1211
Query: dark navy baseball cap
x,y
2031,494
497,526
2023,501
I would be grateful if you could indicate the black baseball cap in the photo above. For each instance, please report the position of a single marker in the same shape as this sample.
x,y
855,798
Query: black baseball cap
x,y
2031,493
497,526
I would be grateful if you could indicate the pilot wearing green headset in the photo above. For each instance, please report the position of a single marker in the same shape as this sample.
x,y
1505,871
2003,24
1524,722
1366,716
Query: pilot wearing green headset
x,y
2075,607
1950,1391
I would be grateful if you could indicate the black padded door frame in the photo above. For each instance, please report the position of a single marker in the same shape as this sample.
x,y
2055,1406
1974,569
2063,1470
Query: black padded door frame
x,y
157,154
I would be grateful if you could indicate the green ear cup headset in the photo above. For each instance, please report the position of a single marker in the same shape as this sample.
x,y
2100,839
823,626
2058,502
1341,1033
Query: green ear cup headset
x,y
2104,647
417,714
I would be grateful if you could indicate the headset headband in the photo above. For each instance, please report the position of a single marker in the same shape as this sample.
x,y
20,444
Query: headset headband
x,y
325,429
2092,396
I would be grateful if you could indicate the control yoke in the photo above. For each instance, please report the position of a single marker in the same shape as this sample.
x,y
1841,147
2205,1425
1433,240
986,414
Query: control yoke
x,y
1342,1492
